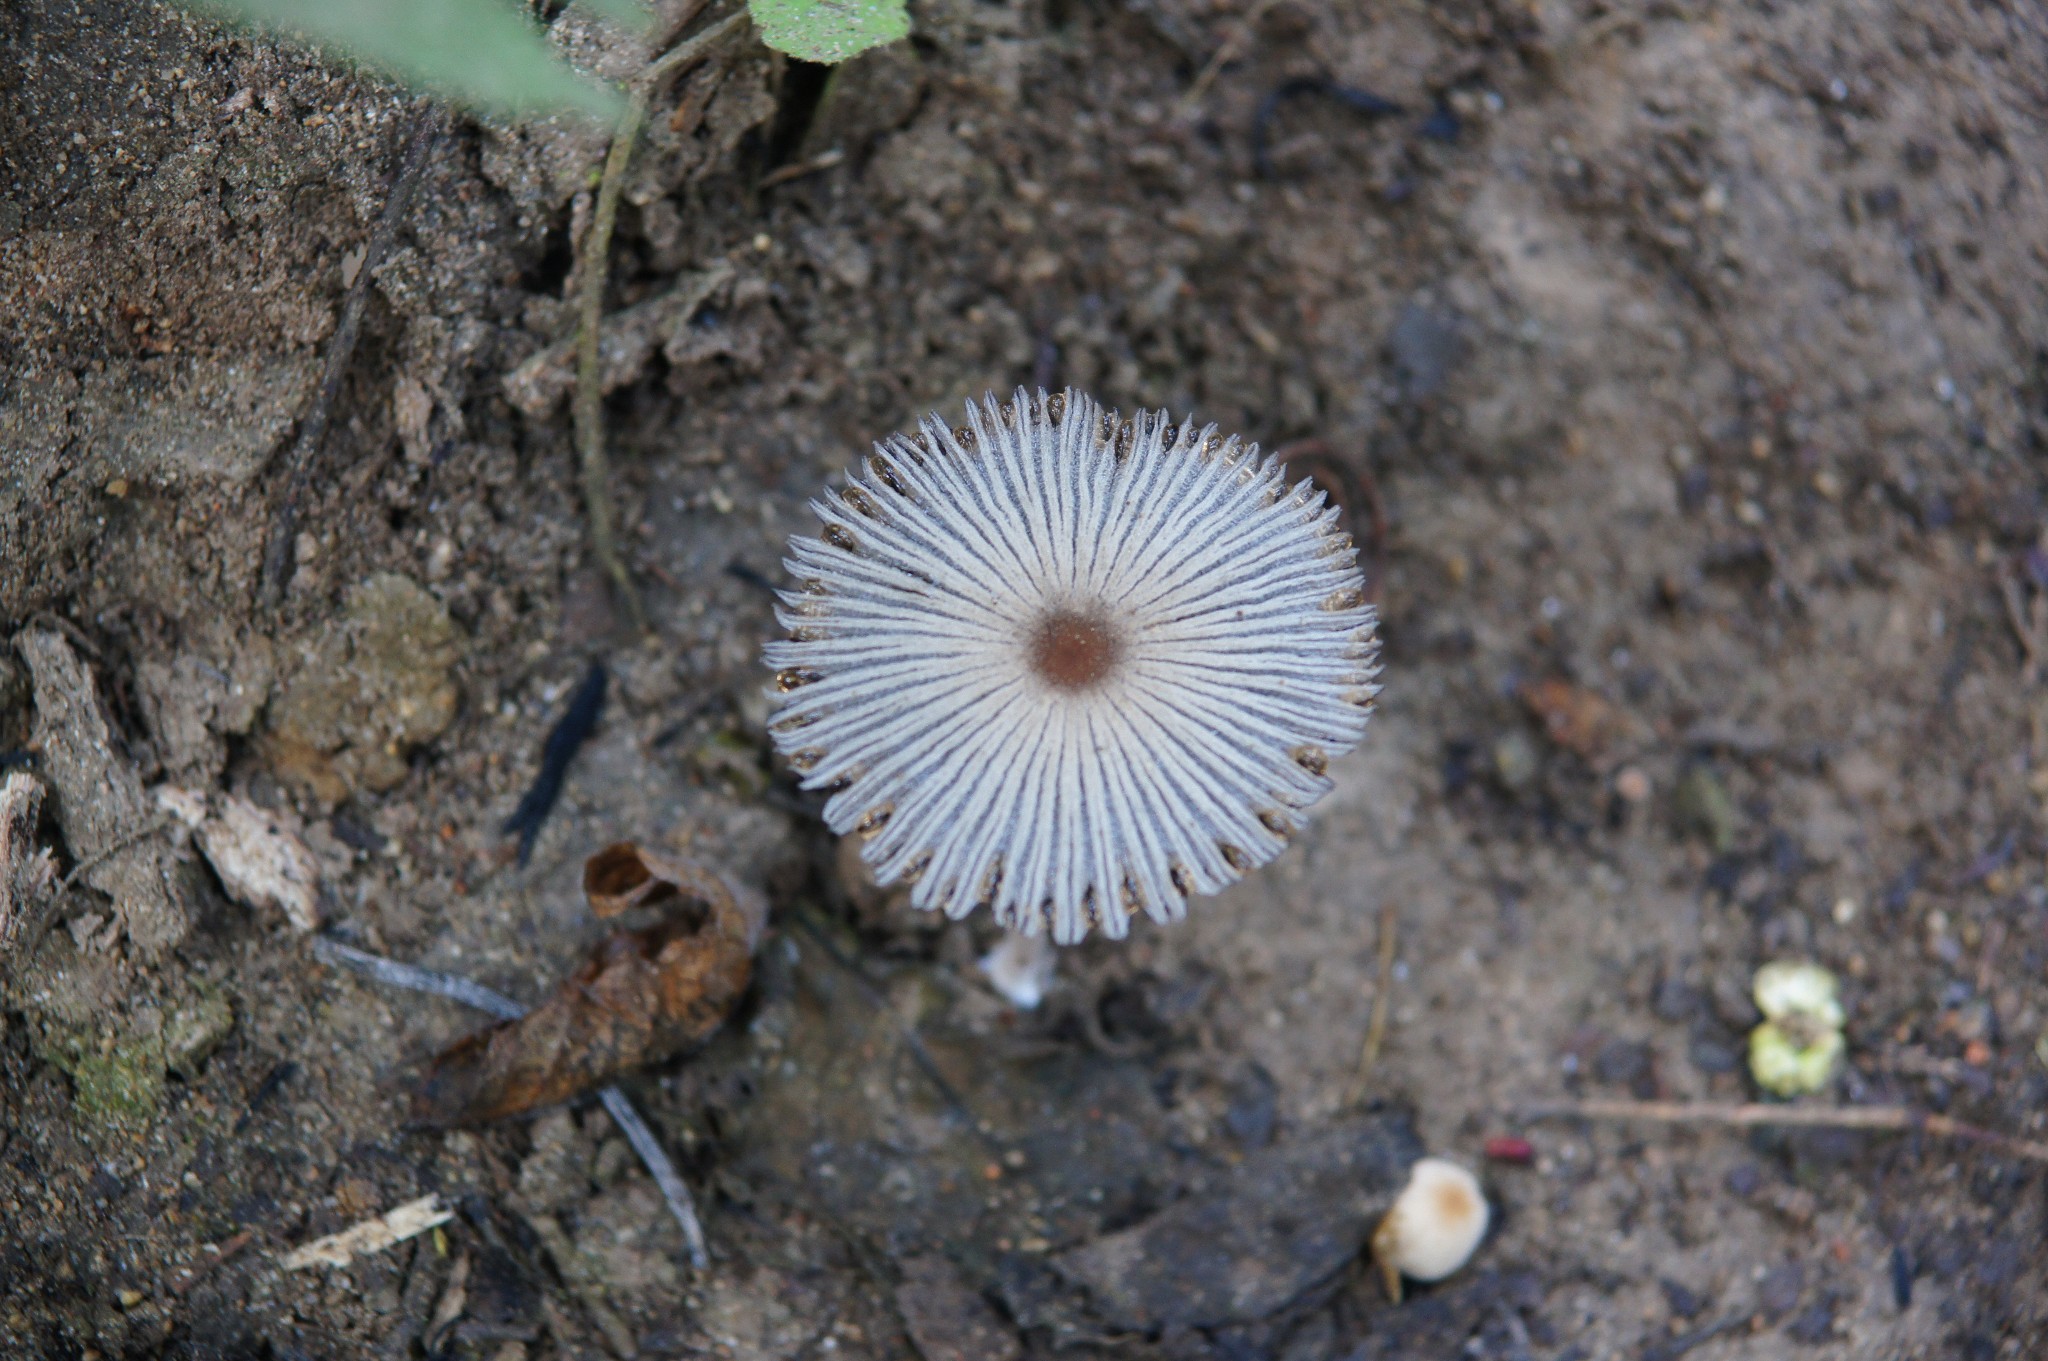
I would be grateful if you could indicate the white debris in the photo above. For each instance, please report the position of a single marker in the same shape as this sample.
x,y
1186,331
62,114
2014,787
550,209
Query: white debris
x,y
186,805
258,855
372,1235
1791,988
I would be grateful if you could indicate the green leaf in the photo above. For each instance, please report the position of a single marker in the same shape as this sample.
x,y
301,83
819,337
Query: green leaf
x,y
483,54
829,31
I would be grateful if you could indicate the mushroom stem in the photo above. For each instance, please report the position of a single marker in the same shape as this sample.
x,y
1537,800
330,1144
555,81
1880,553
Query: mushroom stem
x,y
1021,968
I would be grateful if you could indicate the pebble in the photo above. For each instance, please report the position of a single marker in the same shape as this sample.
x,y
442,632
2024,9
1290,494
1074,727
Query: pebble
x,y
1711,1057
1507,1148
1683,1303
1629,1063
1777,1294
1515,762
1702,807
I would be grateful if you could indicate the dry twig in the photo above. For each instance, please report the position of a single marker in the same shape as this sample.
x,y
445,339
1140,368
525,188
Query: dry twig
x,y
1229,50
2029,626
784,174
673,1188
328,950
216,1254
341,347
1376,1027
375,1234
1749,1115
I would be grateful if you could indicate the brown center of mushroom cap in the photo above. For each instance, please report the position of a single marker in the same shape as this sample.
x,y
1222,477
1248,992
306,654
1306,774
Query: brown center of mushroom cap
x,y
1073,651
1454,1204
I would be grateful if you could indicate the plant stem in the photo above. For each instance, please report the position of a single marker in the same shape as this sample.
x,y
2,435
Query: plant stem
x,y
587,410
593,273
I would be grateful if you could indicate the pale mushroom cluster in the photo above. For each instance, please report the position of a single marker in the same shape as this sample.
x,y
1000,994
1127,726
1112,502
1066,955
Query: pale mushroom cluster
x,y
1069,666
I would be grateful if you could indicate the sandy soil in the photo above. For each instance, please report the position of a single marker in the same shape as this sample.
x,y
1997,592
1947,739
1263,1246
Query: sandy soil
x,y
1698,355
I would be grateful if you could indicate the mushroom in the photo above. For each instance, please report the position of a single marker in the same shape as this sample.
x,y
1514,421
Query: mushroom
x,y
1020,969
1069,666
1434,1226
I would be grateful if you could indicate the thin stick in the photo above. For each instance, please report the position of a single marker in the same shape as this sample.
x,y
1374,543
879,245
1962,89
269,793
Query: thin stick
x,y
593,273
1749,1115
457,988
678,57
1228,51
672,1188
218,1253
93,862
2028,631
912,1041
1376,1028
410,976
824,160
341,347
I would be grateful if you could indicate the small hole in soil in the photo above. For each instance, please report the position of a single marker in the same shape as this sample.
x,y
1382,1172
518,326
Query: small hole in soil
x,y
550,271
803,85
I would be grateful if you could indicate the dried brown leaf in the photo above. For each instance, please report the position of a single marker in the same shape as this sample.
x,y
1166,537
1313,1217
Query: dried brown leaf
x,y
624,876
643,996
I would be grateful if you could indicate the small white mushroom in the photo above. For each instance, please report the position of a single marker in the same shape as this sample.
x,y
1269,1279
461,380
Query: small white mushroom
x,y
1434,1226
1021,969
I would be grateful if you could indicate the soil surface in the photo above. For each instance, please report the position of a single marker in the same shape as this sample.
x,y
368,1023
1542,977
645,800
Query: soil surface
x,y
1684,368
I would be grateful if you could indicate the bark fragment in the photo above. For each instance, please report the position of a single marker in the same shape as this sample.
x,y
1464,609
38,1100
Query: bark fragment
x,y
100,803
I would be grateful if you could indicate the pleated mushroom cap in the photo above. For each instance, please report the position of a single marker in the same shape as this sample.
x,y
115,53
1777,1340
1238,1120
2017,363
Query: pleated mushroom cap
x,y
1071,667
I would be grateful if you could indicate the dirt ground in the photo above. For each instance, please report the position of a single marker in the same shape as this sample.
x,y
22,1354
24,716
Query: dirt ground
x,y
1697,355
